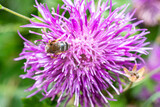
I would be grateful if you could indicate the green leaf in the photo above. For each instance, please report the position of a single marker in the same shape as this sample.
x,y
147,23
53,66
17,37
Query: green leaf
x,y
35,102
1,6
53,4
153,33
153,98
121,101
119,3
35,20
40,15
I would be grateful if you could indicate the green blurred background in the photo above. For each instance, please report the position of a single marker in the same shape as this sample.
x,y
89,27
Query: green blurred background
x,y
11,86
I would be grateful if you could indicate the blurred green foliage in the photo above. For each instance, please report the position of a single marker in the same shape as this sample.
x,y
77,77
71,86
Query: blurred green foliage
x,y
11,86
34,102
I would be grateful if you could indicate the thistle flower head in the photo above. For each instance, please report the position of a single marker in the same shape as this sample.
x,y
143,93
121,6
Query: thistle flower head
x,y
100,46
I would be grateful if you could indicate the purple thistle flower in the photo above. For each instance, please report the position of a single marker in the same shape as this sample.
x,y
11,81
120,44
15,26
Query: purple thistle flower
x,y
99,48
154,63
148,10
153,60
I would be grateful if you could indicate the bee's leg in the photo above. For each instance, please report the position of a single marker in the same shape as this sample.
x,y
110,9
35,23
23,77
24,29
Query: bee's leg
x,y
57,40
49,41
53,56
57,53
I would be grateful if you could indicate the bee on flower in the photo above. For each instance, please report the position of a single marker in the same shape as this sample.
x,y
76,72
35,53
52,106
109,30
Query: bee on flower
x,y
89,56
56,47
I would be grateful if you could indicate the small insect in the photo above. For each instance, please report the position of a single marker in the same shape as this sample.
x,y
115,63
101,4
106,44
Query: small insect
x,y
56,47
134,75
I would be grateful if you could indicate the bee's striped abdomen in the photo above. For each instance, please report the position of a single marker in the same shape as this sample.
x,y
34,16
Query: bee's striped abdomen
x,y
63,46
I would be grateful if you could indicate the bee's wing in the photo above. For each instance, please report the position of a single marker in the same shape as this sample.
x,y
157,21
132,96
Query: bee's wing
x,y
126,71
134,68
141,72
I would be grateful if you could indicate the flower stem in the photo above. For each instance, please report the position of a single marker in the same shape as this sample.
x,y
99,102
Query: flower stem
x,y
128,87
13,12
